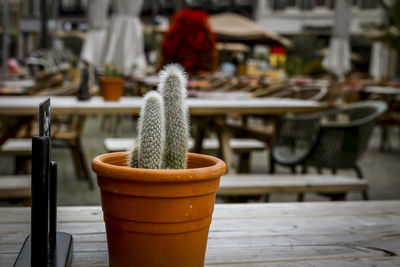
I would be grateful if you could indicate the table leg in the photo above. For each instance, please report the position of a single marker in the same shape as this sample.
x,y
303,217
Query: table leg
x,y
199,135
276,121
225,150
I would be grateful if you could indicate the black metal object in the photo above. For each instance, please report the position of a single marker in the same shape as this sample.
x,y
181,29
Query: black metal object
x,y
83,93
39,203
44,246
53,206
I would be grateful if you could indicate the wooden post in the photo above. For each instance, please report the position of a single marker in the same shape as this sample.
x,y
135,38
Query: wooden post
x,y
43,24
4,66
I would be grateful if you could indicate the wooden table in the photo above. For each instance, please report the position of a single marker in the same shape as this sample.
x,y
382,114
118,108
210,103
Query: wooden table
x,y
218,109
287,234
28,105
382,90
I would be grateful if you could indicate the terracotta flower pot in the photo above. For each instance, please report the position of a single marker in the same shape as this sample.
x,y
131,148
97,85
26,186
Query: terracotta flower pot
x,y
111,88
157,217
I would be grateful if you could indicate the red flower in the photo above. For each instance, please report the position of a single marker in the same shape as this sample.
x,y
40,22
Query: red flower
x,y
190,41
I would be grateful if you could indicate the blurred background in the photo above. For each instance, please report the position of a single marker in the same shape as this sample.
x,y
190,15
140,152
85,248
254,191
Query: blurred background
x,y
324,51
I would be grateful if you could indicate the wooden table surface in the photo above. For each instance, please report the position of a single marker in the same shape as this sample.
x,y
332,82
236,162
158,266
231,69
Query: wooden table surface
x,y
283,234
28,105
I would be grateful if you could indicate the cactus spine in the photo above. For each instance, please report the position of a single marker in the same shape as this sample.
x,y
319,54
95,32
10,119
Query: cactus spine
x,y
151,129
172,87
163,128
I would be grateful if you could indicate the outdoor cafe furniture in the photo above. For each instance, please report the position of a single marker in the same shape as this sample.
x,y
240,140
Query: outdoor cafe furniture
x,y
204,109
391,95
266,133
272,234
309,92
66,133
334,139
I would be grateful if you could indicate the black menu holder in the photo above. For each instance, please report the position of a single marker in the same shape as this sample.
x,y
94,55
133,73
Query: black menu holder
x,y
44,246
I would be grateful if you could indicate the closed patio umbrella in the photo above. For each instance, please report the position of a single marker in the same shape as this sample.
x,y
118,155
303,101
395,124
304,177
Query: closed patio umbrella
x,y
92,50
125,46
337,60
378,67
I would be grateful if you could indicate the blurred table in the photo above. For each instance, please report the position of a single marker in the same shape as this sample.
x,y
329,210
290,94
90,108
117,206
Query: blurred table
x,y
382,90
15,87
211,109
12,91
28,105
282,234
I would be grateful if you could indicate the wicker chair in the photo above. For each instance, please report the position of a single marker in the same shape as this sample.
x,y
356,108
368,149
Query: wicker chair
x,y
334,139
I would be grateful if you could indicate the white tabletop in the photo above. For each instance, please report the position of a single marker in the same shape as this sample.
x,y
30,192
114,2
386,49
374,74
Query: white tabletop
x,y
28,105
382,90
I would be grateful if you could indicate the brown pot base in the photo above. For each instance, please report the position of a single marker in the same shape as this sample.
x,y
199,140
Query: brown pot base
x,y
139,249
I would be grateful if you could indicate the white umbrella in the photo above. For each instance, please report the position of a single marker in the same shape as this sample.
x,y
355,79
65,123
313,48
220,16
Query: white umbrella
x,y
337,60
378,67
124,47
92,50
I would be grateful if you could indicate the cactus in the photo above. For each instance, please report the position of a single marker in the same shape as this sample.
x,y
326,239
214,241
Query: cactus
x,y
133,158
172,87
163,128
151,133
111,71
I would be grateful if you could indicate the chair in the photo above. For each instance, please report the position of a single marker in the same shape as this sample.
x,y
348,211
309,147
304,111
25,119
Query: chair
x,y
391,118
334,139
66,133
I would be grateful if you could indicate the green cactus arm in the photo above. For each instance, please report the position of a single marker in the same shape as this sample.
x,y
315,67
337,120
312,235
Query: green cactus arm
x,y
172,87
111,71
151,132
132,160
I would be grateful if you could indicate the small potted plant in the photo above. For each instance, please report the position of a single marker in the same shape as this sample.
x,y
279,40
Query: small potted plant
x,y
111,83
158,199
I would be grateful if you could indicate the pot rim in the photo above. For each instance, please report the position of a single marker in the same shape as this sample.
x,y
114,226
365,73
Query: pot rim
x,y
107,78
102,166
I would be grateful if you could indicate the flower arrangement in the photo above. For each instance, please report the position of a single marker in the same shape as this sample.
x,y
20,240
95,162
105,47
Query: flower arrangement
x,y
190,41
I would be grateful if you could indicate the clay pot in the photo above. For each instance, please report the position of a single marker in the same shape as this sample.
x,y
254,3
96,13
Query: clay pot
x,y
111,88
157,217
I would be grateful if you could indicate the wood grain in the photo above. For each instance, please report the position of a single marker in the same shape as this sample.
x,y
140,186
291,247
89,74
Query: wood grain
x,y
289,234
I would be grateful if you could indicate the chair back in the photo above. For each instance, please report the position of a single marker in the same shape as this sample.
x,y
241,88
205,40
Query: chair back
x,y
295,138
343,139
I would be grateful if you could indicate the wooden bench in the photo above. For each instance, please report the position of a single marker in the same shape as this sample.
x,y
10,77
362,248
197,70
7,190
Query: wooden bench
x,y
17,146
21,148
15,187
259,184
238,145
